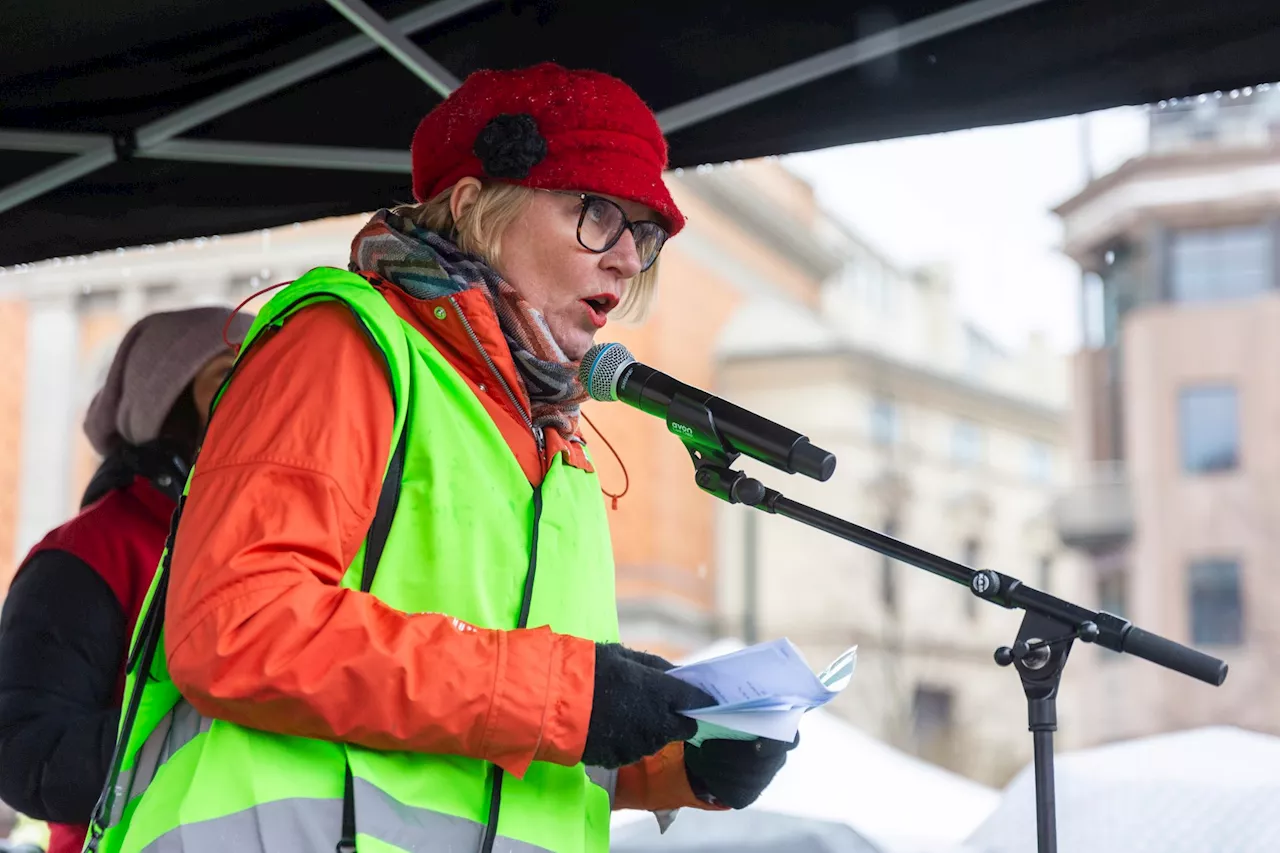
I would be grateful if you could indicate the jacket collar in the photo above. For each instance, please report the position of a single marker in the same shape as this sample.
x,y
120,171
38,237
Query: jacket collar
x,y
156,502
160,463
465,328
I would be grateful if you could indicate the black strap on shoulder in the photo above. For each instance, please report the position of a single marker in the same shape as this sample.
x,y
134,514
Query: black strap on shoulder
x,y
380,529
148,639
142,653
347,843
495,793
375,544
145,645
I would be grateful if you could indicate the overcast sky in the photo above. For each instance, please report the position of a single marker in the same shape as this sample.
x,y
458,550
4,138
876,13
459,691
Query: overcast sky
x,y
980,200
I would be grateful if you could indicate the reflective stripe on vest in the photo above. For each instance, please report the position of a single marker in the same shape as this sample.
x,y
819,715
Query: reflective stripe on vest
x,y
176,729
181,725
607,779
304,825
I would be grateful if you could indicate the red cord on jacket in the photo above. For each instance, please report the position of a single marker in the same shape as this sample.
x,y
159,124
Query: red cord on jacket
x,y
626,478
226,327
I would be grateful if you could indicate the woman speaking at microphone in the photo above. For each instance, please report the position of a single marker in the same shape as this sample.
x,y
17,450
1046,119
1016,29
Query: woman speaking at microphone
x,y
388,612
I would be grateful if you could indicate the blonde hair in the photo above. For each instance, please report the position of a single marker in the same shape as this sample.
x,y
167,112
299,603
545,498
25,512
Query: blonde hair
x,y
480,228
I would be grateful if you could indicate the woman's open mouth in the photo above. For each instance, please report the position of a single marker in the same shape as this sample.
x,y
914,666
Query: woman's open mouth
x,y
599,306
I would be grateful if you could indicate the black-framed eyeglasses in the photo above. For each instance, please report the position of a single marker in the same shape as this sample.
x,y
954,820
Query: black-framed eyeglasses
x,y
602,221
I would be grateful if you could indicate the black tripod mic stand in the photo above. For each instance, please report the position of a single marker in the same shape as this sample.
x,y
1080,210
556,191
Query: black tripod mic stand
x,y
1049,625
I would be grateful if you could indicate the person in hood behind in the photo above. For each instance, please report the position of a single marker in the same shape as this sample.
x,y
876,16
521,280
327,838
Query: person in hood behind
x,y
74,600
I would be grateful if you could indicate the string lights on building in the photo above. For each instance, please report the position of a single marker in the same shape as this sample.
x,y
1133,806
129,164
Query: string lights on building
x,y
1232,95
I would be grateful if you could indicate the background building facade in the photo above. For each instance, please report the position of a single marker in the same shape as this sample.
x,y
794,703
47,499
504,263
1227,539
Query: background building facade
x,y
943,439
1176,407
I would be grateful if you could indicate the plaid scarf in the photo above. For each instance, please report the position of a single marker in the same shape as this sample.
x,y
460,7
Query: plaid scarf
x,y
427,266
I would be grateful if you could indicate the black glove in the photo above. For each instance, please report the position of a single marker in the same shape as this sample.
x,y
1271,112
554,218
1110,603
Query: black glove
x,y
635,707
733,773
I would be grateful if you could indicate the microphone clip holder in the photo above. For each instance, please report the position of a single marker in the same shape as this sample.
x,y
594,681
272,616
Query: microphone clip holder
x,y
692,422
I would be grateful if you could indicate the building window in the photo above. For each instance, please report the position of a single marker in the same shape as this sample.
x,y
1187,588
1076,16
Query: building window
x,y
1220,263
164,296
1112,589
1093,316
1111,592
1039,462
966,443
1046,573
981,353
880,287
888,579
932,710
99,301
1208,419
1217,611
884,422
972,553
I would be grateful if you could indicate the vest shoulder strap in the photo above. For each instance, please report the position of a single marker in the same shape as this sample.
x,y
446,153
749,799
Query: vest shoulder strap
x,y
382,324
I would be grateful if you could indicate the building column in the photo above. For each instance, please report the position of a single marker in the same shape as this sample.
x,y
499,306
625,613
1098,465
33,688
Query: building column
x,y
1273,225
47,412
1159,272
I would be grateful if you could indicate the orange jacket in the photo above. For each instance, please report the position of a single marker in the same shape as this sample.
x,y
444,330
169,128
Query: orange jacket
x,y
259,633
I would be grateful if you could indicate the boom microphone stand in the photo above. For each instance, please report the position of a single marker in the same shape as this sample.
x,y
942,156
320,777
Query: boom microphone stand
x,y
1049,625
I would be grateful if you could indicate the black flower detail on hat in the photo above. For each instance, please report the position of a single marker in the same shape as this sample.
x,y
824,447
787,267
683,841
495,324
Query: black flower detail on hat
x,y
510,146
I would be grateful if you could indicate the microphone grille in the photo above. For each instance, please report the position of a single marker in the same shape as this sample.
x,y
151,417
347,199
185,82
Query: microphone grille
x,y
600,369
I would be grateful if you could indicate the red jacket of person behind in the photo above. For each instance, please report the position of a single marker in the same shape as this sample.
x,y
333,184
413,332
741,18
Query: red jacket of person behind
x,y
59,761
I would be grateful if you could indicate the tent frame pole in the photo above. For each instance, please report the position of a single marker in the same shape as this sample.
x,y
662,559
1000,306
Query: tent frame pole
x,y
835,60
278,154
220,151
148,136
396,43
392,36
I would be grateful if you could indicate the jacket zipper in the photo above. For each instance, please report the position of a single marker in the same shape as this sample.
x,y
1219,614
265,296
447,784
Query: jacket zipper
x,y
495,798
493,368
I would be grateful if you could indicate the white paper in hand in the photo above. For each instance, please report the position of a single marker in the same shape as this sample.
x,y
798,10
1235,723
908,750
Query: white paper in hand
x,y
762,691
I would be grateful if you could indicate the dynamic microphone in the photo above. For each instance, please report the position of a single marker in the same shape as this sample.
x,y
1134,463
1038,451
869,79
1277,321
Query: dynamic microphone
x,y
610,372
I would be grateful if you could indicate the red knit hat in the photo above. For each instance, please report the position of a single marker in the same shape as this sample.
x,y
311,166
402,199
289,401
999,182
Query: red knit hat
x,y
548,128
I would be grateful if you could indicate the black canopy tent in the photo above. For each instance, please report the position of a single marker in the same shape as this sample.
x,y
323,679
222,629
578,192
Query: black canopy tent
x,y
125,122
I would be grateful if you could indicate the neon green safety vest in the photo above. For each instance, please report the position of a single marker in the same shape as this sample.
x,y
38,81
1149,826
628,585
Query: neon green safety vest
x,y
469,537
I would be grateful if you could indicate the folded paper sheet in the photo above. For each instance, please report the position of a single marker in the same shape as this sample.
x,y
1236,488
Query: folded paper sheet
x,y
762,690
